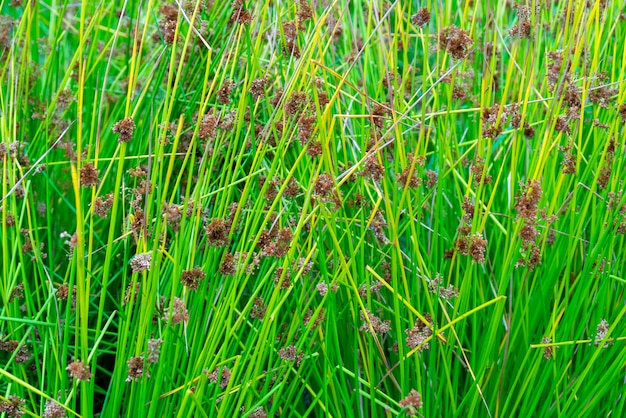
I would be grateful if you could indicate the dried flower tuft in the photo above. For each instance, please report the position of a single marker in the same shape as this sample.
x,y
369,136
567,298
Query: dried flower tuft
x,y
141,262
412,400
421,18
548,352
455,41
53,410
135,369
178,313
191,278
89,175
601,332
124,128
416,336
79,370
12,406
225,376
377,324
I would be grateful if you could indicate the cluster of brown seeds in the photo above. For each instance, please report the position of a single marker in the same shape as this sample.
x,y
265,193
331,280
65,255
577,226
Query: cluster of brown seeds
x,y
435,286
416,336
217,232
191,278
89,175
527,210
178,313
455,41
548,352
22,355
168,22
222,374
79,370
601,332
421,18
53,409
240,14
412,401
291,353
523,28
373,324
12,406
124,128
136,369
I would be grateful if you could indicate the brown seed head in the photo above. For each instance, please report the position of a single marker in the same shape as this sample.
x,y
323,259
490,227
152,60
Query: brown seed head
x,y
124,128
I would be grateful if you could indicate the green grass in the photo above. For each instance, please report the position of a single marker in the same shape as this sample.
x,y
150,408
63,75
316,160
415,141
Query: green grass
x,y
330,200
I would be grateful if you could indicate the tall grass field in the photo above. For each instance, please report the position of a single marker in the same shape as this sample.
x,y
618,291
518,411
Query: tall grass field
x,y
312,208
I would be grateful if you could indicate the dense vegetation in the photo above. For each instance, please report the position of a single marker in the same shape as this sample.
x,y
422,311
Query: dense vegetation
x,y
342,208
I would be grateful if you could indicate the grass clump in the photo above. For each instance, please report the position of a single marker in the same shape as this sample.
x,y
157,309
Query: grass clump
x,y
384,208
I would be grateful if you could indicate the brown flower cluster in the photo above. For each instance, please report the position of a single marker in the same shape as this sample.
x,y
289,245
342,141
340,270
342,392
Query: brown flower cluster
x,y
471,245
228,267
526,206
513,111
318,320
380,111
208,126
568,164
306,125
296,103
257,87
217,232
305,12
492,125
102,205
421,18
523,28
191,278
89,175
435,286
455,41
555,66
141,262
12,406
291,353
130,294
154,350
275,244
223,374
22,355
136,369
177,313
372,169
601,332
124,128
416,336
548,352
412,400
606,169
258,309
601,94
408,178
561,125
432,177
477,169
223,94
168,21
324,185
240,15
79,370
377,325
322,288
53,409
